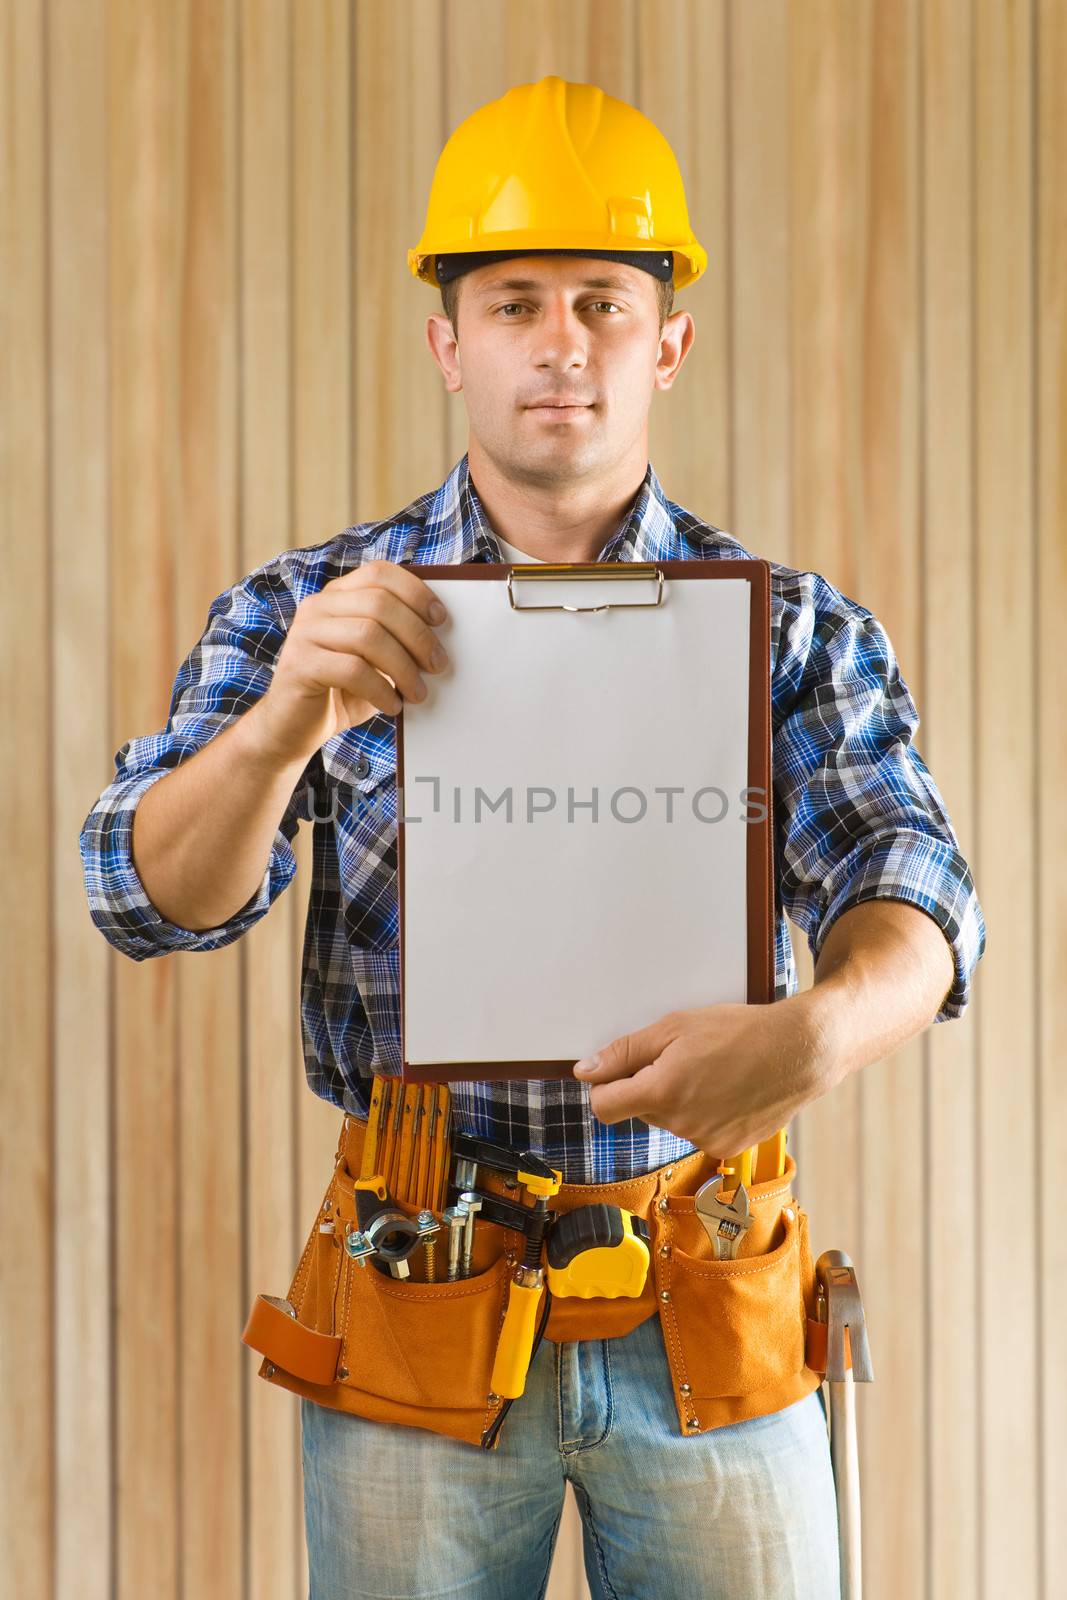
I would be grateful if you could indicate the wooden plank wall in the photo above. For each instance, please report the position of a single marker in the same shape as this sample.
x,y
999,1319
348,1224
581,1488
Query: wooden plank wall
x,y
213,351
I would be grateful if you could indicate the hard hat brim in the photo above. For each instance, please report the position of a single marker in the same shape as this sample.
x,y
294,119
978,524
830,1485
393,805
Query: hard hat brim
x,y
690,259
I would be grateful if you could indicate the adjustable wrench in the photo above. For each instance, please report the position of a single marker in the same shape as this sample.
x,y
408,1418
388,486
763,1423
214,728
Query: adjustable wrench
x,y
725,1223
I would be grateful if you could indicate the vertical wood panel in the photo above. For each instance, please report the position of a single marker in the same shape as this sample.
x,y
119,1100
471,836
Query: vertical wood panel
x,y
1050,424
949,1149
1004,746
82,752
398,419
682,74
755,95
27,1478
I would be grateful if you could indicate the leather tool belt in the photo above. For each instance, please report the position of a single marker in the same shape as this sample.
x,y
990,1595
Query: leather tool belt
x,y
736,1333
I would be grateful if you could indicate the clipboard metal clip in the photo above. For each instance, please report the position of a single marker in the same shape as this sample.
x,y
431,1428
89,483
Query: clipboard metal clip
x,y
625,571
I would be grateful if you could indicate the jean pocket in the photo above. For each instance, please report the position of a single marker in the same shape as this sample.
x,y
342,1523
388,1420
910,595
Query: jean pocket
x,y
735,1327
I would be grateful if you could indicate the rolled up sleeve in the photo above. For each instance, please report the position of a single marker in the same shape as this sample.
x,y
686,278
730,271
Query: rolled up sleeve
x,y
858,815
225,672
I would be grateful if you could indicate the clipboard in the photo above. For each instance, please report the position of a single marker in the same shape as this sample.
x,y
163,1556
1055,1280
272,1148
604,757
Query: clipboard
x,y
452,952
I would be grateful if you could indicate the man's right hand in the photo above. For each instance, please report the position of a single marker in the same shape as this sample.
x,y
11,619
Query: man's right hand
x,y
345,644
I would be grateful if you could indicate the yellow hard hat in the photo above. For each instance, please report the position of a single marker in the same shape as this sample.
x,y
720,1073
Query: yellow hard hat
x,y
555,165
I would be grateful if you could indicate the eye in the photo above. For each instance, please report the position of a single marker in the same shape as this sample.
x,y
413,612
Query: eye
x,y
516,305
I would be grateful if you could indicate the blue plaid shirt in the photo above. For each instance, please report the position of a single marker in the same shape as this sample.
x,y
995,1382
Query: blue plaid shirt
x,y
856,813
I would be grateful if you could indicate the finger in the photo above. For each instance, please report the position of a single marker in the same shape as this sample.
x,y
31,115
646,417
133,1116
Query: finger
x,y
407,626
348,675
367,640
354,710
400,581
627,1097
629,1053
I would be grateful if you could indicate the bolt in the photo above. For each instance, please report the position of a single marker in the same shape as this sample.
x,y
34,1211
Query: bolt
x,y
454,1217
424,1219
665,1294
473,1204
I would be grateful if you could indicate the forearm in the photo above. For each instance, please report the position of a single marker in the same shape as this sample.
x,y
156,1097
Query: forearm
x,y
202,836
881,977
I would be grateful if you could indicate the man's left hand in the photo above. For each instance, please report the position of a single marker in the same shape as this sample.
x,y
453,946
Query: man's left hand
x,y
722,1077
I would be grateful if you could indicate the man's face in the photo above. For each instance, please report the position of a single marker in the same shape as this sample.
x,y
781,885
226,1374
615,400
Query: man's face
x,y
557,359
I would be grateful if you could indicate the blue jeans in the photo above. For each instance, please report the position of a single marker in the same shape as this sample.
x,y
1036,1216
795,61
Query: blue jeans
x,y
747,1510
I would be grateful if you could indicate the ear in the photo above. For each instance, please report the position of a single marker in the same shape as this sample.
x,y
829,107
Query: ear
x,y
444,348
678,334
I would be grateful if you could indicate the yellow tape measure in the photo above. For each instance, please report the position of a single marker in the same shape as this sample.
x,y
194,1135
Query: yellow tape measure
x,y
598,1250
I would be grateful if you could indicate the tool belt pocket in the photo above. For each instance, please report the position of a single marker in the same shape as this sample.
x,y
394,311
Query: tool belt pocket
x,y
389,1349
429,1345
415,1343
735,1330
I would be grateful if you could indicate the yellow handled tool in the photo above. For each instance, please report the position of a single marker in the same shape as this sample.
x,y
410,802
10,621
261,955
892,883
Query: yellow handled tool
x,y
756,1164
738,1169
770,1160
513,1351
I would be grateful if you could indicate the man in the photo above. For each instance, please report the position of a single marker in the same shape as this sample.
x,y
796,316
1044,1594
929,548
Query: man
x,y
284,707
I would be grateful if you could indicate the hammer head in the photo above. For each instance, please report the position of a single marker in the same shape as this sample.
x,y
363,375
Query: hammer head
x,y
840,1307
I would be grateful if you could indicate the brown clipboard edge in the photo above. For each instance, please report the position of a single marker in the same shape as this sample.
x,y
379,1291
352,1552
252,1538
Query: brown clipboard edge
x,y
760,842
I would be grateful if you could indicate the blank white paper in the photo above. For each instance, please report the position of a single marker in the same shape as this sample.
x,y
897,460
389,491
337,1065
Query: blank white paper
x,y
544,936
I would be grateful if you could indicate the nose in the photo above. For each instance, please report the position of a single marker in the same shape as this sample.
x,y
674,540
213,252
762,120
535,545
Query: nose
x,y
561,338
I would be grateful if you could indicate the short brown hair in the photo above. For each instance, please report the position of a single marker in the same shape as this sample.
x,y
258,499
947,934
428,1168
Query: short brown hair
x,y
450,300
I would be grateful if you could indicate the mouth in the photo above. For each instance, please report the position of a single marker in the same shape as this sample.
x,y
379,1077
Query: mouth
x,y
557,411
